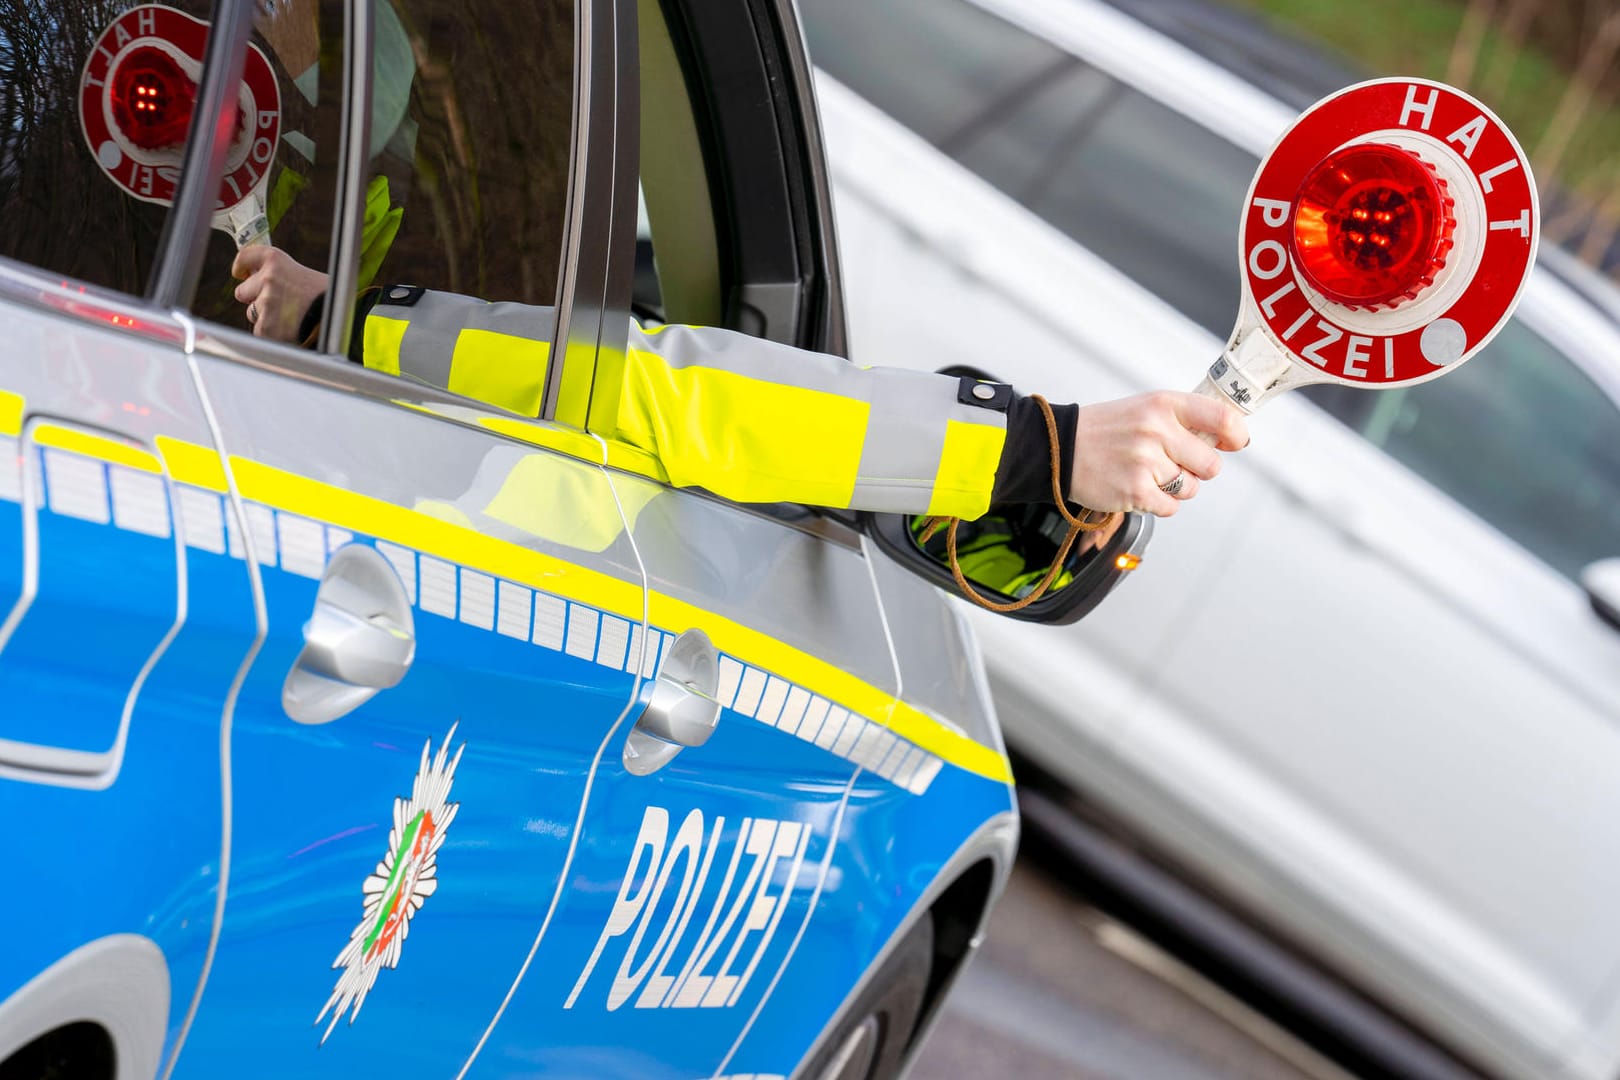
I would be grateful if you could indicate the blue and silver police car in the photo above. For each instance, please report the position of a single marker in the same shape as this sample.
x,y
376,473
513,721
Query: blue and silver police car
x,y
351,728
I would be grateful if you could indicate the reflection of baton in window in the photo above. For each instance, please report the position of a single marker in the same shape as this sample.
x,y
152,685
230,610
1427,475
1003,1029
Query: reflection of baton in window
x,y
136,97
1385,240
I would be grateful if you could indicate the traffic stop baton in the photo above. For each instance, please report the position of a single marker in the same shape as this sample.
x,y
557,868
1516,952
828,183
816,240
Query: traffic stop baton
x,y
1385,239
136,95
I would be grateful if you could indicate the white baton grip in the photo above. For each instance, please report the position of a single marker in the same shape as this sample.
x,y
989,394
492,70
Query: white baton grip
x,y
1210,387
246,222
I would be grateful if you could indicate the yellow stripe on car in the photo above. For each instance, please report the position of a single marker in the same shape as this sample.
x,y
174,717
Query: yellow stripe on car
x,y
11,411
199,466
96,446
457,543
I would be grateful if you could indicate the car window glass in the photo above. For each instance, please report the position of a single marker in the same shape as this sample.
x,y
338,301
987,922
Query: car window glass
x,y
468,174
1014,147
287,173
934,65
1157,196
69,207
677,268
1522,438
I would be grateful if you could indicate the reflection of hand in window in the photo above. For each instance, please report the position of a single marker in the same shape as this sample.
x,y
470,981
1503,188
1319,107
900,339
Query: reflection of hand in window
x,y
277,289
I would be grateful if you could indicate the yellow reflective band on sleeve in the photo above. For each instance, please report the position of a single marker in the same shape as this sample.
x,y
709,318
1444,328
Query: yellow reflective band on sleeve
x,y
967,469
503,370
578,444
98,447
748,439
382,339
11,411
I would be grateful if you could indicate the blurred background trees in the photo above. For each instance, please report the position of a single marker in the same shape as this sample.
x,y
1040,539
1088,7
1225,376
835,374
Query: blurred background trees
x,y
1547,67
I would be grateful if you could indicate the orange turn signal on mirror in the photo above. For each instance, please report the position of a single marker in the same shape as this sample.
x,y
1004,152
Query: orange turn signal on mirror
x,y
1127,561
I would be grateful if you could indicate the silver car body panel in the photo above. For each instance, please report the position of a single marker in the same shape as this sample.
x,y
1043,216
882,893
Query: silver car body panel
x,y
1446,840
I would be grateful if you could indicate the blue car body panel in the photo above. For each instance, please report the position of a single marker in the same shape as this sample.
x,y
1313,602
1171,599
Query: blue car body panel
x,y
460,874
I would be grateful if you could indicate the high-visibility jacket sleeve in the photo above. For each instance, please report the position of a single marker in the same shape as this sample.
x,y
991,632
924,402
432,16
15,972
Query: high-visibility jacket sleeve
x,y
758,421
748,419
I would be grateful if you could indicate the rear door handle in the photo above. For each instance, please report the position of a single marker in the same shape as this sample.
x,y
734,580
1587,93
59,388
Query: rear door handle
x,y
682,710
361,638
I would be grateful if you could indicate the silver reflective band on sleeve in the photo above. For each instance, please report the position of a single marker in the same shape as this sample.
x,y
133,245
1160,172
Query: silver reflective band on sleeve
x,y
434,327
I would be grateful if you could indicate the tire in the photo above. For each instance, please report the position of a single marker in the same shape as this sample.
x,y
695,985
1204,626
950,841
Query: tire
x,y
871,1039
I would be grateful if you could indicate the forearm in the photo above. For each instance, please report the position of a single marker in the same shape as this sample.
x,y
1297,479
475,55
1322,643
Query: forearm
x,y
752,420
758,421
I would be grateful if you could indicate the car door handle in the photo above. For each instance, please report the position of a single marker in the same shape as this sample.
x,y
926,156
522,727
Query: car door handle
x,y
356,649
682,709
360,639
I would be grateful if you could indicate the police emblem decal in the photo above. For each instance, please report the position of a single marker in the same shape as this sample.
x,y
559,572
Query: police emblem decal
x,y
401,883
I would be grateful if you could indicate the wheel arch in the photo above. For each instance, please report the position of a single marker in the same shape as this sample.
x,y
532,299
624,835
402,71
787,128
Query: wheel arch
x,y
118,983
960,898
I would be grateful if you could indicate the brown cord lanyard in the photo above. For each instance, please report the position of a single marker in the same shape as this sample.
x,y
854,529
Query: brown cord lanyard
x,y
1084,522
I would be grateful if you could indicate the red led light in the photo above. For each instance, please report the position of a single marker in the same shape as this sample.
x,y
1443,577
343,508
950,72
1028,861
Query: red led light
x,y
152,99
1372,226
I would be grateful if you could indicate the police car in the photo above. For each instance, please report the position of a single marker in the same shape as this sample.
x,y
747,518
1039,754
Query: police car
x,y
1365,690
352,728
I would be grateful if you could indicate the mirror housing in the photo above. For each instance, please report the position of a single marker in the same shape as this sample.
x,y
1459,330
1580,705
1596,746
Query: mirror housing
x,y
1601,580
1094,573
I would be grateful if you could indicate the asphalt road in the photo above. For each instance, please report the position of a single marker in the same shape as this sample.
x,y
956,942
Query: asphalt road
x,y
1058,991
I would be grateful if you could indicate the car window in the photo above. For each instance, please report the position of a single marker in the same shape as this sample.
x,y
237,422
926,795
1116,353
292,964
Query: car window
x,y
677,271
292,175
1015,147
66,206
934,65
468,173
1522,438
1151,192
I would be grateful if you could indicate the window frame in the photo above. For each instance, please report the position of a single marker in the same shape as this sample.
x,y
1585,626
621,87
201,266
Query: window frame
x,y
770,192
592,327
184,242
580,318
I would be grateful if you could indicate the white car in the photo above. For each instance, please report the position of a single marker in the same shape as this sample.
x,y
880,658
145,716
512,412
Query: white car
x,y
1361,686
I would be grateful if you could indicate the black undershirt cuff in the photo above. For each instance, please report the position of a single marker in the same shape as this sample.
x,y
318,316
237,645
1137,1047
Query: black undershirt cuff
x,y
1024,474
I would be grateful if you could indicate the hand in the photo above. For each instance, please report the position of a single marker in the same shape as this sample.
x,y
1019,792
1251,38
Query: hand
x,y
1123,450
277,290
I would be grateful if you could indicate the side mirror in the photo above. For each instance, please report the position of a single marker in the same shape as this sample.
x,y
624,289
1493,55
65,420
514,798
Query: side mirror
x,y
1014,550
1601,580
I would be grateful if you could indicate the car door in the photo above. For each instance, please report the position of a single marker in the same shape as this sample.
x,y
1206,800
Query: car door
x,y
724,901
454,611
694,876
125,607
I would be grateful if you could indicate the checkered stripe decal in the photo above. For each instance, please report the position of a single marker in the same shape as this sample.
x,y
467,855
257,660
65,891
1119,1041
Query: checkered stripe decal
x,y
87,489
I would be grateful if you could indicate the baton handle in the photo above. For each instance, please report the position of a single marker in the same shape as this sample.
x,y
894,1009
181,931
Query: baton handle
x,y
245,223
1208,387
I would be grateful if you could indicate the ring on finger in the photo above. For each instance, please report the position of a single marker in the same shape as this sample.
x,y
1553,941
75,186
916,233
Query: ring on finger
x,y
1175,484
253,313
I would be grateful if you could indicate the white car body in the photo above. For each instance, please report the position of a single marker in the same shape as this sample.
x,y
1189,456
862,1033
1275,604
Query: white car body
x,y
1376,722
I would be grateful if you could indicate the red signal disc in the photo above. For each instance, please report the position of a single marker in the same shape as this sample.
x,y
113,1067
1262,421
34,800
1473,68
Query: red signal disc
x,y
136,97
152,99
1487,265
